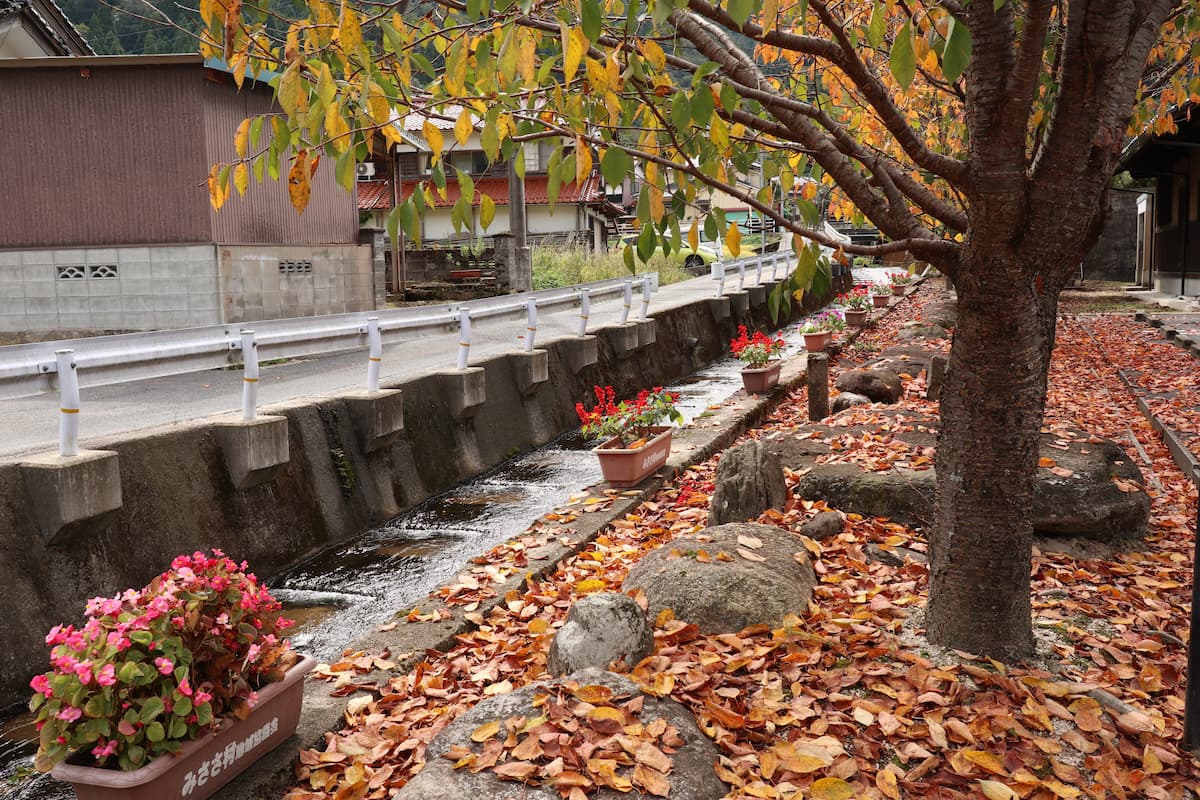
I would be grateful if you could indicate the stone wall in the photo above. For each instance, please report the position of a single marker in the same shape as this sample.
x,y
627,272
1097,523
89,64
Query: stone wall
x,y
276,282
178,496
1114,256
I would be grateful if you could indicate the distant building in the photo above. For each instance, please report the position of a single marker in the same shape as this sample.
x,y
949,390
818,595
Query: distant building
x,y
107,223
37,28
1168,218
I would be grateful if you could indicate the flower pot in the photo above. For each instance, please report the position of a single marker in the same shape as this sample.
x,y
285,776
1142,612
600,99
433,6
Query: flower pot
x,y
761,379
629,467
814,342
856,316
880,300
206,764
897,290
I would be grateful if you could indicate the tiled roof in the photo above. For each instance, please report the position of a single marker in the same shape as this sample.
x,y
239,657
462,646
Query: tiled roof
x,y
497,189
374,195
415,122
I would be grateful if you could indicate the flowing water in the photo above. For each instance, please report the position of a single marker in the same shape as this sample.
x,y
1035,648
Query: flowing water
x,y
345,591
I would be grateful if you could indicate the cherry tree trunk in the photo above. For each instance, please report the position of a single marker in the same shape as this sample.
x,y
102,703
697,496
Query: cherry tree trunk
x,y
991,412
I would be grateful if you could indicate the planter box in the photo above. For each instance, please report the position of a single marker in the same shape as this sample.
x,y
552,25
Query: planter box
x,y
898,291
206,764
880,300
856,318
758,381
815,342
622,467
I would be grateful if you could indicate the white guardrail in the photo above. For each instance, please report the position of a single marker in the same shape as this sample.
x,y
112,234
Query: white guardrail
x,y
32,369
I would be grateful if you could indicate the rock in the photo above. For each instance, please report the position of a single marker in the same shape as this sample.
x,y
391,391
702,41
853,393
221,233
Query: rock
x,y
1081,501
880,385
825,525
749,481
908,359
922,330
725,596
601,629
944,314
847,400
691,774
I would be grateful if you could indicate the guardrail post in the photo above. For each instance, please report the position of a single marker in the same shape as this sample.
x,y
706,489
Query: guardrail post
x,y
718,275
464,337
627,302
530,323
775,267
68,403
374,354
249,376
758,271
647,287
585,310
741,275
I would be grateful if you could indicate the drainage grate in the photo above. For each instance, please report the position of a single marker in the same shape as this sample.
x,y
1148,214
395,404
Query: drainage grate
x,y
295,267
72,273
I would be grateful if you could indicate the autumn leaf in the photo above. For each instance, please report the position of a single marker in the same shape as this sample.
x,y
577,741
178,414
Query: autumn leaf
x,y
299,181
485,731
831,789
994,790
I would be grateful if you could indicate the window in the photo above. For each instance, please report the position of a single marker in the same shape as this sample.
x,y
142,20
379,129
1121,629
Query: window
x,y
102,271
290,267
72,273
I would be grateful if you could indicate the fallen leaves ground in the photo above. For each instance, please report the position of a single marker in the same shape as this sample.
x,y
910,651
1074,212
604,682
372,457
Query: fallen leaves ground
x,y
846,701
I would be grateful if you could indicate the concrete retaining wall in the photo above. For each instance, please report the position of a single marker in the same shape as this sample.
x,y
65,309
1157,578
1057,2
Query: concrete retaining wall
x,y
178,496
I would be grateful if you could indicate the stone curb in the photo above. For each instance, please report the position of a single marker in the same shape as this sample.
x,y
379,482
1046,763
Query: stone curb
x,y
408,643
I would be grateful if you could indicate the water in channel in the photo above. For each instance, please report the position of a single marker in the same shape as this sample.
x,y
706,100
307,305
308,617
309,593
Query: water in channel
x,y
345,591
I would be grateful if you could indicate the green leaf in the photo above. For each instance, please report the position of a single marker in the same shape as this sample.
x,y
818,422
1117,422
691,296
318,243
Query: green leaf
x,y
256,126
151,709
204,713
615,165
681,111
878,26
958,50
589,13
773,302
702,105
178,728
740,10
155,732
627,256
646,242
554,175
903,60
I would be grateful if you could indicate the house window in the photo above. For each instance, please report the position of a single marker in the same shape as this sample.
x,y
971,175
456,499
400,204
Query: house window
x,y
102,271
410,166
291,267
72,273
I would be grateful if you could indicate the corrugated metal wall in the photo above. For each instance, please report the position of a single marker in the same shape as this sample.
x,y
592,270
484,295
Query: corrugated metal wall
x,y
102,155
264,215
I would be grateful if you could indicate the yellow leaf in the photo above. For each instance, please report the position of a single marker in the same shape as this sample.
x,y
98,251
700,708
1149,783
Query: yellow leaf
x,y
694,235
718,131
994,790
574,46
589,585
583,161
1151,762
770,14
538,626
241,138
378,105
527,56
657,209
336,128
655,55
463,127
485,731
597,76
241,178
487,211
326,85
885,780
349,32
733,240
433,137
831,789
292,97
988,761
299,185
217,193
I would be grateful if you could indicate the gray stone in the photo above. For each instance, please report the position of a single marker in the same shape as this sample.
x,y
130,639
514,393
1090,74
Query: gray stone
x,y
922,330
601,629
1085,504
749,481
847,400
881,385
691,775
825,525
725,596
944,314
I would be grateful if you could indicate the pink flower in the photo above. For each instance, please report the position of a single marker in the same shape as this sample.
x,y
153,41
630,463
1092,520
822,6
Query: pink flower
x,y
83,671
69,713
252,699
41,683
57,634
105,750
107,675
118,640
201,698
165,665
185,688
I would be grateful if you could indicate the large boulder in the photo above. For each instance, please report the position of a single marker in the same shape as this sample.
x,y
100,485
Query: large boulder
x,y
749,481
691,755
728,577
600,629
1089,490
922,330
880,385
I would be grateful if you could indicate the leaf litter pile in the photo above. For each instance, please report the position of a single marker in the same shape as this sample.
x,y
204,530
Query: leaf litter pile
x,y
847,700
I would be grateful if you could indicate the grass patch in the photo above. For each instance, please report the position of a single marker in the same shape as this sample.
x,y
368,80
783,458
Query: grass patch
x,y
554,267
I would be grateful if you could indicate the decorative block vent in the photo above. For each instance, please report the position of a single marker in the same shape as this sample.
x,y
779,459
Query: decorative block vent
x,y
295,267
72,273
102,271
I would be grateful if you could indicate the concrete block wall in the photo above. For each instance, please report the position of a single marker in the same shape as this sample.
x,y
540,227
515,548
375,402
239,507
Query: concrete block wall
x,y
277,282
108,289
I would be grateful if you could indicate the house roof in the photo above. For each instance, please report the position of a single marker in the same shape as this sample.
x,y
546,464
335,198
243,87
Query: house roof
x,y
536,193
374,195
51,24
1143,157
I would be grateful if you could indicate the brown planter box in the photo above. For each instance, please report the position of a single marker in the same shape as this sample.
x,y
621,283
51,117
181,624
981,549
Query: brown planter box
x,y
880,300
758,381
856,318
206,764
622,467
898,291
816,342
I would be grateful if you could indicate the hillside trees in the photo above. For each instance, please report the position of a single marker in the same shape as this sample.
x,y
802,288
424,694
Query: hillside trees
x,y
978,135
